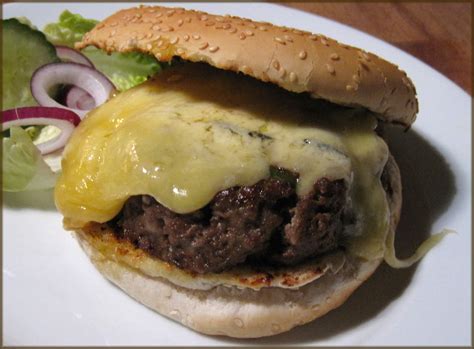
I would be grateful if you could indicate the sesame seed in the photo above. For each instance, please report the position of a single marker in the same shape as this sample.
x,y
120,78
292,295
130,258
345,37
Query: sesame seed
x,y
302,55
149,35
149,47
180,23
132,42
112,33
293,77
209,23
288,38
174,41
186,37
213,48
253,26
265,76
242,36
246,69
226,26
298,32
349,88
393,91
364,56
279,40
313,37
167,28
204,18
179,51
188,19
170,13
334,56
324,42
152,10
141,36
138,15
356,78
248,33
113,24
219,19
156,27
262,28
233,30
330,69
158,15
160,43
203,45
196,37
276,64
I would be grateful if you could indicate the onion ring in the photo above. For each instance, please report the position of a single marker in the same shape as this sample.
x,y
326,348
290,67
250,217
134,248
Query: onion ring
x,y
90,80
64,119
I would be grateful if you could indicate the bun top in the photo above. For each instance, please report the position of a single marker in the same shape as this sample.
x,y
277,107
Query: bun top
x,y
296,60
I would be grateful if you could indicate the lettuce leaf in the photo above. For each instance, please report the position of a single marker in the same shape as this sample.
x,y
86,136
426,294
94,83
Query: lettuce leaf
x,y
69,30
23,165
125,70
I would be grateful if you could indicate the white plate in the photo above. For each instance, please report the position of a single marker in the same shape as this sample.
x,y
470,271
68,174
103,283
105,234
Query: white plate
x,y
53,295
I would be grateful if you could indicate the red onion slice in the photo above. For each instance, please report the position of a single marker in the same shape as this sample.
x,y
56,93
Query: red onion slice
x,y
70,55
87,78
62,118
77,98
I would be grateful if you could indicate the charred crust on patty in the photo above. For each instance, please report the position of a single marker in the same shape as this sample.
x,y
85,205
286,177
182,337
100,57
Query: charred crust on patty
x,y
262,223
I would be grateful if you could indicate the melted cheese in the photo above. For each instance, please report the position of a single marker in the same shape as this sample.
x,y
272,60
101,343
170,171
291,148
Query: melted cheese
x,y
193,131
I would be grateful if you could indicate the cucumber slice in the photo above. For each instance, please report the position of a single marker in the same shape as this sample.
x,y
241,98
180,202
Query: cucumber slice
x,y
24,50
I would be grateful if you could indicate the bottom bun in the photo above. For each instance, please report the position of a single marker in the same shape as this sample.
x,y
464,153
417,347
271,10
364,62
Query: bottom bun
x,y
244,312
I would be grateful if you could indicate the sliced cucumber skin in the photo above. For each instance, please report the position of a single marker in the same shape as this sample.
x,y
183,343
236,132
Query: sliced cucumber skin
x,y
23,51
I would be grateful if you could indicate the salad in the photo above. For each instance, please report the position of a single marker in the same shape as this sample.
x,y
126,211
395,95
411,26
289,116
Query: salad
x,y
49,87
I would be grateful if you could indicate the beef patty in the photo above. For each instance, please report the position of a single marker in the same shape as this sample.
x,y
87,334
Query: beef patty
x,y
262,223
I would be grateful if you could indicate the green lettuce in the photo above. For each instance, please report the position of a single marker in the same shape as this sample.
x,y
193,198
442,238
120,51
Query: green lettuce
x,y
125,70
23,166
69,30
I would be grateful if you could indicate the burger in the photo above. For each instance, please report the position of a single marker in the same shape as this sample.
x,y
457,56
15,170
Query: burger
x,y
246,189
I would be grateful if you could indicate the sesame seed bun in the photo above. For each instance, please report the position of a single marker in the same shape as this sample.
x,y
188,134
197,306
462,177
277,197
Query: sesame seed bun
x,y
296,60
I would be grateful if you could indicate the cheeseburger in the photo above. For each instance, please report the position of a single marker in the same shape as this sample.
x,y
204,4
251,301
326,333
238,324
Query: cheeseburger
x,y
246,189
